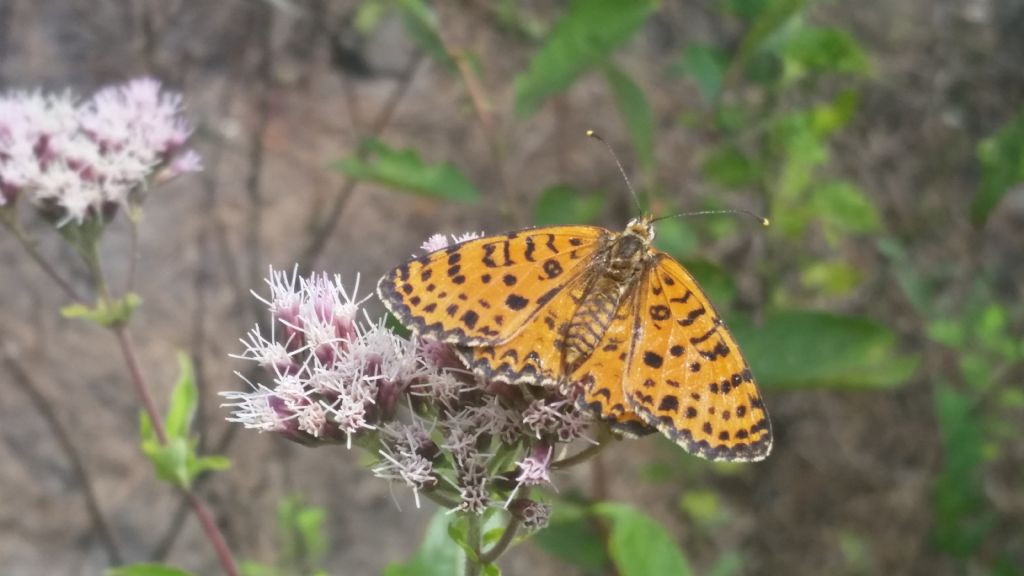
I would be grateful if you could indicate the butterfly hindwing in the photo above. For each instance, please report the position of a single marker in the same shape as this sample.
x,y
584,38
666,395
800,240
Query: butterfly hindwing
x,y
601,376
483,291
686,375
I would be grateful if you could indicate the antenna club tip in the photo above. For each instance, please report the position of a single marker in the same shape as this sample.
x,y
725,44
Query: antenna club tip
x,y
765,222
591,133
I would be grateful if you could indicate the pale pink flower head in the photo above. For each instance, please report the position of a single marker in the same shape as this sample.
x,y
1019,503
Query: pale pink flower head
x,y
79,159
440,241
334,375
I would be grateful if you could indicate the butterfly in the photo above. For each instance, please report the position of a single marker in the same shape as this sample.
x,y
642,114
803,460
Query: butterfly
x,y
605,312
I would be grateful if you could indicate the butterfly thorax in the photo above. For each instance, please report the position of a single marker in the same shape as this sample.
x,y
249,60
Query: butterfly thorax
x,y
614,276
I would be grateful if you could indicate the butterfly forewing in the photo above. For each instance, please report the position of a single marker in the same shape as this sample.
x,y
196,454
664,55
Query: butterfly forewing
x,y
483,291
686,375
534,356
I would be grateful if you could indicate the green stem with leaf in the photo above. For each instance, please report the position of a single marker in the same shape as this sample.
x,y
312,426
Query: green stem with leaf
x,y
114,314
473,539
199,508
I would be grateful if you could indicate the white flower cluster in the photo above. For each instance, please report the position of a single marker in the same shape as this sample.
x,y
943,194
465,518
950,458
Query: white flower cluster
x,y
80,159
340,378
328,370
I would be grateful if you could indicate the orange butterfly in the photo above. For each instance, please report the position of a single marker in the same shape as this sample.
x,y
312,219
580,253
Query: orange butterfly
x,y
608,312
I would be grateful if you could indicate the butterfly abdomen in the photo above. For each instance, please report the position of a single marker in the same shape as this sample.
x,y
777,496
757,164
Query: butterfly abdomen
x,y
595,313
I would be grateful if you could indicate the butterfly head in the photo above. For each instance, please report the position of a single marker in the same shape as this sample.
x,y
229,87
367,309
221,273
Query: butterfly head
x,y
641,227
631,248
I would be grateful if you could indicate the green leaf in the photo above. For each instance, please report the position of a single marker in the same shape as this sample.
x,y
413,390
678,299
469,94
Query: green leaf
x,y
572,536
707,66
993,326
582,39
209,464
730,168
438,554
301,527
638,545
743,9
248,568
369,15
769,20
704,508
714,280
832,278
675,237
147,570
404,170
170,460
729,563
564,204
917,291
637,113
856,552
421,23
799,151
826,119
731,119
184,398
458,529
395,325
175,461
844,208
108,314
962,518
1002,167
819,50
805,349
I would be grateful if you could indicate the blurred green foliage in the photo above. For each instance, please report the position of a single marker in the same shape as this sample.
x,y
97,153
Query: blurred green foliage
x,y
438,555
301,542
573,537
1002,167
147,570
582,39
638,545
564,204
404,170
804,349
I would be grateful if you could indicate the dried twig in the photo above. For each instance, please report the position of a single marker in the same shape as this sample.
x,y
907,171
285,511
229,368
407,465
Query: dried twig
x,y
20,377
321,230
484,107
254,181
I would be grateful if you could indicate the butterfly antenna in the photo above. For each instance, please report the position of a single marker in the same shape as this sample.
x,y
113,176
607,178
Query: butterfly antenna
x,y
622,170
764,221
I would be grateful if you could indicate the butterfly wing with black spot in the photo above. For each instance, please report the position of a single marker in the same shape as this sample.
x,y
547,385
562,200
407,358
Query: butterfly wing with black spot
x,y
535,355
686,375
483,291
601,375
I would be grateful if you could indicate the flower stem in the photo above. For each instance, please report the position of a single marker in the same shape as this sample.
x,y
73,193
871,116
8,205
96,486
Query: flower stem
x,y
21,377
441,499
90,252
138,381
209,524
502,544
473,537
30,248
587,453
202,513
